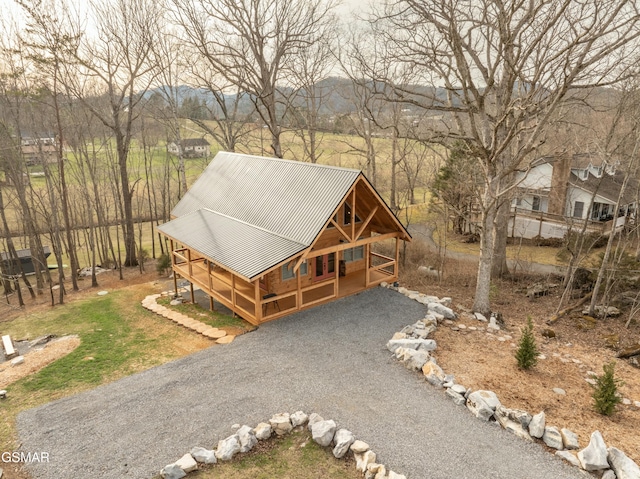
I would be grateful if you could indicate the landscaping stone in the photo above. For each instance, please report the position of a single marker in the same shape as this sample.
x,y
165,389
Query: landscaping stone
x,y
227,448
313,418
172,471
416,360
483,404
480,317
247,438
569,457
459,388
281,424
569,439
225,339
205,456
594,456
263,431
299,418
493,325
514,421
433,373
343,440
537,425
3,394
323,432
560,391
363,460
17,361
442,309
552,438
359,447
457,398
422,344
608,474
187,463
395,475
624,467
376,471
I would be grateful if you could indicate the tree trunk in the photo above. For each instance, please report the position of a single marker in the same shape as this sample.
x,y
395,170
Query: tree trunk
x,y
499,267
483,286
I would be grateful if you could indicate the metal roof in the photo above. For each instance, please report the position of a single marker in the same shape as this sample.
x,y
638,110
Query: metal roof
x,y
234,244
290,199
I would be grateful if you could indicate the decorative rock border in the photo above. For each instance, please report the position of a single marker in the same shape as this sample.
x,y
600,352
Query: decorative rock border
x,y
324,432
218,335
413,347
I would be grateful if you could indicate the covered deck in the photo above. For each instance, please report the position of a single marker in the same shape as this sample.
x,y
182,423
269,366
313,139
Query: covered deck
x,y
251,301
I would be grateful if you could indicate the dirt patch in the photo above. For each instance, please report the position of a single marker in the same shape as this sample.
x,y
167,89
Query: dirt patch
x,y
37,359
481,360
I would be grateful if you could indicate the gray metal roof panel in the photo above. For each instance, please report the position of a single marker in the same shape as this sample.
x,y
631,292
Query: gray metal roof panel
x,y
288,198
236,245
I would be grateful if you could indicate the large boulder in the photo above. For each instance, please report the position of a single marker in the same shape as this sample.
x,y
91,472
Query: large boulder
x,y
342,440
569,439
205,456
624,467
263,431
363,460
227,448
359,447
537,425
416,360
442,309
313,418
514,420
457,398
483,404
281,424
594,456
299,418
323,432
247,438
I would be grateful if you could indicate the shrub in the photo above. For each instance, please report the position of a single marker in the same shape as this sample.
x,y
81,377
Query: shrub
x,y
527,352
605,395
163,263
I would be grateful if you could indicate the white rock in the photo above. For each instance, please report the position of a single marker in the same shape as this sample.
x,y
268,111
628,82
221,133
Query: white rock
x,y
343,440
422,344
227,448
359,447
483,404
636,403
376,471
323,431
624,467
560,391
457,398
608,474
459,388
594,456
569,457
247,438
399,335
263,431
445,301
552,438
626,401
384,284
569,439
480,317
203,455
17,361
537,425
103,293
363,460
395,475
493,325
281,423
299,418
313,418
416,359
172,471
187,463
433,373
442,309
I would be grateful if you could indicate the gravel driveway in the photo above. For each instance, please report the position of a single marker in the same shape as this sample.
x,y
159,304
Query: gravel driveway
x,y
330,360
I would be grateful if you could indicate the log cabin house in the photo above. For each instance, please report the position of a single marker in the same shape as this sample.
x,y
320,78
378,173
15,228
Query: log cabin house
x,y
267,237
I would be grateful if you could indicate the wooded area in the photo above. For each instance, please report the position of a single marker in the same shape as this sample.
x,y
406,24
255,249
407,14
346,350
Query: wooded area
x,y
453,97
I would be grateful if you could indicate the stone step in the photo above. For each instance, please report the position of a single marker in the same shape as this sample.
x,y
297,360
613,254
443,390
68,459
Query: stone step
x,y
7,344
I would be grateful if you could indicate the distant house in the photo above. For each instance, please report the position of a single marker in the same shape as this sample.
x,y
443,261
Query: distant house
x,y
39,149
267,237
191,148
22,262
559,192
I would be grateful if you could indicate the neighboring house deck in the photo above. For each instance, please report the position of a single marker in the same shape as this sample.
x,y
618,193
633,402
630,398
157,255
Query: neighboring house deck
x,y
267,237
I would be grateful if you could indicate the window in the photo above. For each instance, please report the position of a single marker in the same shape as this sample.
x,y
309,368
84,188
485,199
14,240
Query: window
x,y
353,254
578,209
347,215
535,205
287,270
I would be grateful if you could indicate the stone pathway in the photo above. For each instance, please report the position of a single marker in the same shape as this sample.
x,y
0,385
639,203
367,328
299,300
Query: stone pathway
x,y
218,335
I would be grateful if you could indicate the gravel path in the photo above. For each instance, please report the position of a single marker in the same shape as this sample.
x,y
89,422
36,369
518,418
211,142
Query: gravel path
x,y
330,360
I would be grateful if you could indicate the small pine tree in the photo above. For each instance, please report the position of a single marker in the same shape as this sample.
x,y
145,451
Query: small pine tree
x,y
527,352
605,395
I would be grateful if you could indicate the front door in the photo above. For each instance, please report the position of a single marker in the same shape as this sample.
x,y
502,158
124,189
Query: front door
x,y
325,267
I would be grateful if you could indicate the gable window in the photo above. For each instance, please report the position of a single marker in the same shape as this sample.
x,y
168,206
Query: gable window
x,y
287,270
535,205
353,254
347,215
578,209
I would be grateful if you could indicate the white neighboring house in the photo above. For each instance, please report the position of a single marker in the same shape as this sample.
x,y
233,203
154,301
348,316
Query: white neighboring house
x,y
558,193
191,148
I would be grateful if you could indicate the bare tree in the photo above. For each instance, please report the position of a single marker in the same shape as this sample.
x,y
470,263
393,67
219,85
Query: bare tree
x,y
252,42
503,68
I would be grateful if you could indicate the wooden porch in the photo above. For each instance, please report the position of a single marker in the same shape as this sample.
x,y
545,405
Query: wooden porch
x,y
257,305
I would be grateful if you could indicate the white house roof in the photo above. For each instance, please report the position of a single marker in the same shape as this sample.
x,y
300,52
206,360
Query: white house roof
x,y
251,213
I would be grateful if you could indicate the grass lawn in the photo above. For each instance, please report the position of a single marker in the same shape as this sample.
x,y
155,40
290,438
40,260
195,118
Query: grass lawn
x,y
118,337
294,456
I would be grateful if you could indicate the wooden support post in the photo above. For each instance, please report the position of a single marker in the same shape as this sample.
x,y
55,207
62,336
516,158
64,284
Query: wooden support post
x,y
258,300
336,288
211,304
299,291
193,296
233,289
209,278
189,262
367,263
353,217
395,266
175,273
